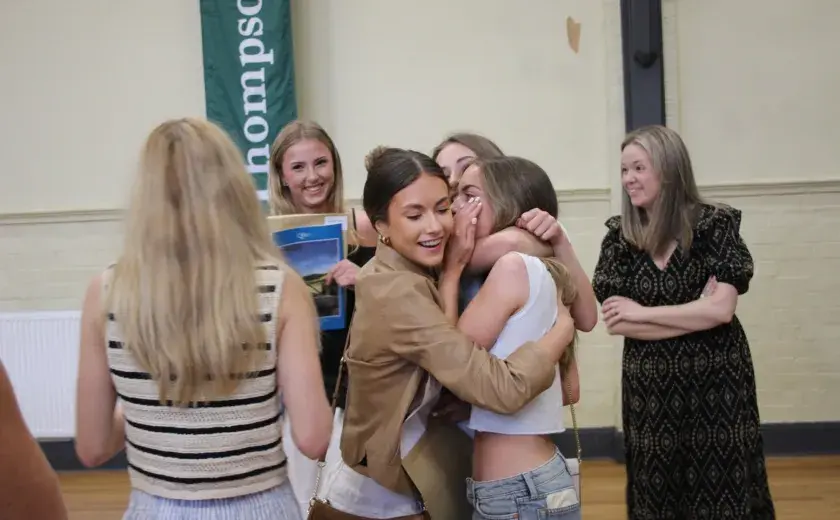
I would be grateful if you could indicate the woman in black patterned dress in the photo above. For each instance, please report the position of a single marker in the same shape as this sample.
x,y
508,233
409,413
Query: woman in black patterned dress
x,y
668,277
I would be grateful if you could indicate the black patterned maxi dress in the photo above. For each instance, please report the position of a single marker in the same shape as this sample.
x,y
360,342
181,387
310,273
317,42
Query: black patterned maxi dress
x,y
689,409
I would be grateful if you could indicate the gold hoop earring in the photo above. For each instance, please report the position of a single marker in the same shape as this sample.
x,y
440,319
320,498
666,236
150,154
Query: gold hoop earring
x,y
385,240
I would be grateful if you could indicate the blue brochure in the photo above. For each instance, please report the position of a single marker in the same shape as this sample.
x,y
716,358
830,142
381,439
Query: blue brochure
x,y
312,251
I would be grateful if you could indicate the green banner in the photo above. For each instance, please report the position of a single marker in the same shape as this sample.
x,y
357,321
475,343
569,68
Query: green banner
x,y
249,77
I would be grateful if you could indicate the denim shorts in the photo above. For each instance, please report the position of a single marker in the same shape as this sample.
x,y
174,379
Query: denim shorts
x,y
543,493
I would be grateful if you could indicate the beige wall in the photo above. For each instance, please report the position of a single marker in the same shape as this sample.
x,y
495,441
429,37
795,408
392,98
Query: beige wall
x,y
752,86
407,73
373,73
81,84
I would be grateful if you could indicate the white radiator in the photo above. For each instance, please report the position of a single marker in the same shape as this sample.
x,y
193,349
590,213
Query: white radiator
x,y
40,352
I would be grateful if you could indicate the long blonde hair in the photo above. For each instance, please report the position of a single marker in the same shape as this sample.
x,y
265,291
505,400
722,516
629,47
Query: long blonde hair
x,y
677,207
184,289
280,198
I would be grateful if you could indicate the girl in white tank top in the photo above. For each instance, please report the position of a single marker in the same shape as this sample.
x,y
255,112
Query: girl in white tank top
x,y
515,462
543,415
517,469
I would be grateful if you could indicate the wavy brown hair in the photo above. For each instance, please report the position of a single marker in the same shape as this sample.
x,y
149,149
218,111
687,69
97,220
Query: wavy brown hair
x,y
514,185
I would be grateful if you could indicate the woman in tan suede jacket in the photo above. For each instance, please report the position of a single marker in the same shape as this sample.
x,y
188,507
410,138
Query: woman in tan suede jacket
x,y
404,349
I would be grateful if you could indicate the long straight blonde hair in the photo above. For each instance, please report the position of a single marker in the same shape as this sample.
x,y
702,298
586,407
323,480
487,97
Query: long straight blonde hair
x,y
677,207
184,290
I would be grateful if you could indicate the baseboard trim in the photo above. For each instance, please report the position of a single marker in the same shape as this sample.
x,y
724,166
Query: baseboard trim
x,y
596,443
61,454
802,439
603,443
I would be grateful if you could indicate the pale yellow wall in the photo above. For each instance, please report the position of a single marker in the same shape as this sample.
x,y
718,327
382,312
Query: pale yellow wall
x,y
373,73
81,84
407,73
754,86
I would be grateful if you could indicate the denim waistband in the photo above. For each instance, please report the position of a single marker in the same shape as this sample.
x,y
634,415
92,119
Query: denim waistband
x,y
524,484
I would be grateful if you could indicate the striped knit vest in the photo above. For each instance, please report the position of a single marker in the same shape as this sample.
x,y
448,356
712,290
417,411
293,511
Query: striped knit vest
x,y
210,450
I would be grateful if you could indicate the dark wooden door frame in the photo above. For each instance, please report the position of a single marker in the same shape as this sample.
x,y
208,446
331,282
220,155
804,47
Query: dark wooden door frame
x,y
644,74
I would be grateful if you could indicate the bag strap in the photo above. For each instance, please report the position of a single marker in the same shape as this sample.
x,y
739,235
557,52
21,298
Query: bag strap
x,y
322,460
568,387
574,419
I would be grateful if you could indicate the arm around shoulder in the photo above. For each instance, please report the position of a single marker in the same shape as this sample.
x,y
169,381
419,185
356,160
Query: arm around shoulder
x,y
299,368
419,332
585,307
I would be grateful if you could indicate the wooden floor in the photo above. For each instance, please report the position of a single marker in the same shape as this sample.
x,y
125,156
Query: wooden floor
x,y
803,489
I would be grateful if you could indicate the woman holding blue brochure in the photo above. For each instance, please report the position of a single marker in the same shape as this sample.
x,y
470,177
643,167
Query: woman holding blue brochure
x,y
306,177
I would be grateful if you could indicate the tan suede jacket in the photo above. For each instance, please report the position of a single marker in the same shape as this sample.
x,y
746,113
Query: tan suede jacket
x,y
399,336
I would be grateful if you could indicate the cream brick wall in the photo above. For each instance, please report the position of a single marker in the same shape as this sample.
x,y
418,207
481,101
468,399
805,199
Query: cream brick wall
x,y
49,258
791,314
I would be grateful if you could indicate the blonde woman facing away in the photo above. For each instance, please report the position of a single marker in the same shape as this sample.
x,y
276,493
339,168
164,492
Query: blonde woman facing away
x,y
668,278
195,329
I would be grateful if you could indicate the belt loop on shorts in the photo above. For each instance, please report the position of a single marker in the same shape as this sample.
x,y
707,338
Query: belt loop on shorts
x,y
470,488
559,455
529,482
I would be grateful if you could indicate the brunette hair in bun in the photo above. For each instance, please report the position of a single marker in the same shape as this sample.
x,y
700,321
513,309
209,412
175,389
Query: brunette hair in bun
x,y
391,170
